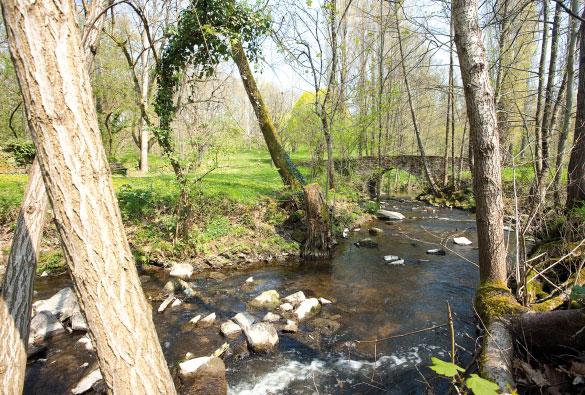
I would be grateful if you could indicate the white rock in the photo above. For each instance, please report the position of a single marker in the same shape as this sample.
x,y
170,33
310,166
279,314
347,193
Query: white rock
x,y
307,308
78,322
166,303
250,280
45,273
191,366
43,326
291,326
508,228
182,270
286,307
195,319
62,305
462,241
345,233
271,317
208,320
85,341
391,215
266,299
262,337
397,262
244,320
176,302
324,301
87,382
357,229
390,258
230,328
295,298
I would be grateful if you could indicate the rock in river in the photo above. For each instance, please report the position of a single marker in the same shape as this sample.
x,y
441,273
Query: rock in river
x,y
44,325
78,322
203,376
286,307
208,320
307,308
267,299
62,305
291,327
244,320
182,270
391,215
390,258
436,251
376,231
262,337
87,382
462,241
230,329
271,317
367,243
295,298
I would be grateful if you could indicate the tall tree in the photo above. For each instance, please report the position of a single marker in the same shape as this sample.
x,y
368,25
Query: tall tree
x,y
481,111
45,47
576,181
18,282
569,99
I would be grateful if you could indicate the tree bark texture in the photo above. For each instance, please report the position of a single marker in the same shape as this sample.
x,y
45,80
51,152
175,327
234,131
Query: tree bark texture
x,y
319,241
481,112
287,170
18,282
45,47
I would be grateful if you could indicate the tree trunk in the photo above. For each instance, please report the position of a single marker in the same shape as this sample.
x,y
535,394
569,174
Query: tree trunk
x,y
18,282
58,99
569,99
541,70
145,91
319,241
481,112
287,170
427,170
576,169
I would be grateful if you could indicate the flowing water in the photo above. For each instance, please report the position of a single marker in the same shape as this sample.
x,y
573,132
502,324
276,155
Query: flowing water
x,y
372,300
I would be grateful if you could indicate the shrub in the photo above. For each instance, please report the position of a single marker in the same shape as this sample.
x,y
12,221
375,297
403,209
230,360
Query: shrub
x,y
23,151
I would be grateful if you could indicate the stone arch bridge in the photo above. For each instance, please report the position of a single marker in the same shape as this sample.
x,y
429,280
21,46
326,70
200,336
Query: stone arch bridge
x,y
372,168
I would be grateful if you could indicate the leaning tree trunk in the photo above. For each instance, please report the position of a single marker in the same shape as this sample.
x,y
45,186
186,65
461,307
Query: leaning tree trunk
x,y
319,241
287,170
18,282
576,169
45,48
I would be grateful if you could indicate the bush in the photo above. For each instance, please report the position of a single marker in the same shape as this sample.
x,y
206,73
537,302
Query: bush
x,y
23,151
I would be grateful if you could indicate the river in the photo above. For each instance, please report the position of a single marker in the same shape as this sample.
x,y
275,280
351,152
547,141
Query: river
x,y
336,351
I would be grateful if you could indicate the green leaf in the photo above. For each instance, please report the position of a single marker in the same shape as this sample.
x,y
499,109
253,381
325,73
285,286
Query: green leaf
x,y
481,386
443,368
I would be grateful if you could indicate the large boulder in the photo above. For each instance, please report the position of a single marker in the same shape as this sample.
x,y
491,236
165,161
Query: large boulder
x,y
295,298
44,325
62,305
183,271
203,376
262,337
390,215
307,308
267,299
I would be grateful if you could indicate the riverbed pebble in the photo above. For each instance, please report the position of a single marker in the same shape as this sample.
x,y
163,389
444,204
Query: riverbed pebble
x,y
286,307
324,301
208,320
436,251
271,317
244,320
267,299
390,258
